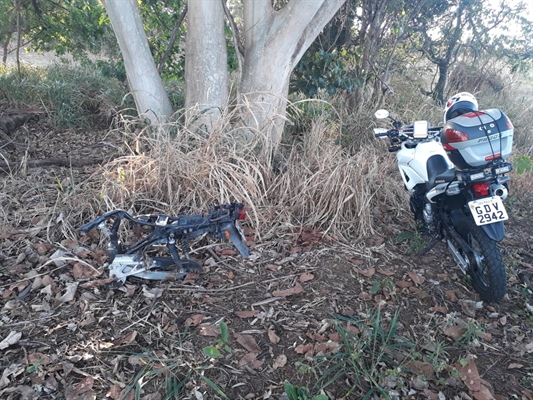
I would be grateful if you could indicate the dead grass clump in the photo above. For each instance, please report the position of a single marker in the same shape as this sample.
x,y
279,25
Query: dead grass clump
x,y
315,184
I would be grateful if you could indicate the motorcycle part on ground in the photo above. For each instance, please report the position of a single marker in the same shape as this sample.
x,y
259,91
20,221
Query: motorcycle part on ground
x,y
168,235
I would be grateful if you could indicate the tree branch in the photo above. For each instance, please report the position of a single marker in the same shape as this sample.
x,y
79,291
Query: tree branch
x,y
173,37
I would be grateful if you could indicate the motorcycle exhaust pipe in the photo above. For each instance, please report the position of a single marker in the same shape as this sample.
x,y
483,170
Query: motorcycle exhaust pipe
x,y
499,190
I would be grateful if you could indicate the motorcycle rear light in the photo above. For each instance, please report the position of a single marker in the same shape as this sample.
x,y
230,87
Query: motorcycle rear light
x,y
454,136
480,189
241,213
493,157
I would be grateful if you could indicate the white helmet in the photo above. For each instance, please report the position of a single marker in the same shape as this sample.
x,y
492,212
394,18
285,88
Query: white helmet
x,y
458,104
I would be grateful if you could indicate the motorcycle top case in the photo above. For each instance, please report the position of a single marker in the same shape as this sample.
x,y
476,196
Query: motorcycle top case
x,y
474,139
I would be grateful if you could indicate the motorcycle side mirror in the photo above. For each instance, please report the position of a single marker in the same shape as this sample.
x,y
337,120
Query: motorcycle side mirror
x,y
381,114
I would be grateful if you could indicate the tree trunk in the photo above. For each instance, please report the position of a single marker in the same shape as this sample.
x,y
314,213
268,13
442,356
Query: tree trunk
x,y
150,97
206,70
274,43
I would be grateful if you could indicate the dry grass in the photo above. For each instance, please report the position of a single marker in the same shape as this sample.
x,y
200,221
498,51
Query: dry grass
x,y
315,183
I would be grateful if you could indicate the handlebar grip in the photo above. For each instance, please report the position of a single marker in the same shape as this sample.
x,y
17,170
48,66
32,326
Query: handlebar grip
x,y
392,149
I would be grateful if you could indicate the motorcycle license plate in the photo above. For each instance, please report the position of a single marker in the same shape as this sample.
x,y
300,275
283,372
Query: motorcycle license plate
x,y
488,210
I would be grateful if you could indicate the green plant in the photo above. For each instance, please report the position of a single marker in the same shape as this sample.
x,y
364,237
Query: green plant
x,y
299,393
214,351
416,242
523,164
366,357
471,333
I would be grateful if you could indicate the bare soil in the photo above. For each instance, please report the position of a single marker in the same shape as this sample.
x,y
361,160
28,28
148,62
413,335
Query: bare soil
x,y
63,335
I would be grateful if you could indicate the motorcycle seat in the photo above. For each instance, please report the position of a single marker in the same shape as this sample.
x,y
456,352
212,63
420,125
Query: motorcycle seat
x,y
439,171
446,176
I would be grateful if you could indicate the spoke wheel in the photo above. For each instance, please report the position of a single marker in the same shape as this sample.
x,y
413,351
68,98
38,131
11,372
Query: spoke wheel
x,y
485,264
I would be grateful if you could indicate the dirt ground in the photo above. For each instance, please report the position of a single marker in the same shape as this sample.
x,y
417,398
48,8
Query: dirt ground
x,y
300,296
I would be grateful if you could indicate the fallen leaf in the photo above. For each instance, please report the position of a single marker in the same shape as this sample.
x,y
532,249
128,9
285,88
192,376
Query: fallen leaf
x,y
307,276
469,375
369,272
153,293
209,330
273,267
227,252
250,360
114,392
42,248
468,307
326,348
385,272
403,284
440,309
280,361
421,368
126,339
194,320
273,337
85,385
247,313
80,270
38,359
417,279
248,342
11,339
454,331
191,277
289,292
515,366
451,295
97,283
303,348
70,292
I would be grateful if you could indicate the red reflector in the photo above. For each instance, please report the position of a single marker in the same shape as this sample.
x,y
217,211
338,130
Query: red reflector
x,y
447,147
493,157
508,124
454,136
480,189
241,213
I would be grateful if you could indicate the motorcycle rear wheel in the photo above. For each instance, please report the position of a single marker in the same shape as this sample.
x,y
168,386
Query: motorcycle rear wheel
x,y
486,268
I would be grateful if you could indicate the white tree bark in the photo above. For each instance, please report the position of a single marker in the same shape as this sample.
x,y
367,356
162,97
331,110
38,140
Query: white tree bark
x,y
275,41
150,97
206,68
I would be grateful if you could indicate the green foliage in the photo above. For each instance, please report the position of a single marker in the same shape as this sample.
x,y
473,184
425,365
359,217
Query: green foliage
x,y
160,19
416,242
222,344
73,26
298,393
523,164
73,96
366,356
324,70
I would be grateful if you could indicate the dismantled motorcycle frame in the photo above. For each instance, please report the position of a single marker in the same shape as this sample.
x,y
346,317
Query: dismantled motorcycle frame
x,y
148,259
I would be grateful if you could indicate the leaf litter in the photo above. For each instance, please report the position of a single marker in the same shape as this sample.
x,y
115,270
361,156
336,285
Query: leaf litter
x,y
64,333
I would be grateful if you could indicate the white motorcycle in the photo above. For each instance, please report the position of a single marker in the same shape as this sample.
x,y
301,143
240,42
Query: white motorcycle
x,y
456,177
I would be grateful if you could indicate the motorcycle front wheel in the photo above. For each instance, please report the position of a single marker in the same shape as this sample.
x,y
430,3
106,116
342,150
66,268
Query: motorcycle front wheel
x,y
485,264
